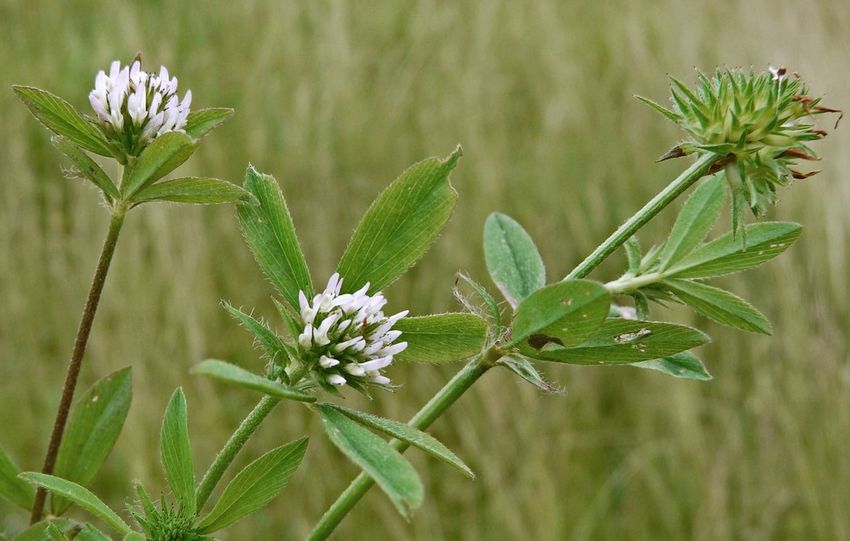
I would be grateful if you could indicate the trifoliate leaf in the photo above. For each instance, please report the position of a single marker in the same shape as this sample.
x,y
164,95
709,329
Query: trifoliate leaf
x,y
683,365
441,338
512,258
165,154
719,305
195,190
234,374
87,166
12,488
201,122
697,216
177,453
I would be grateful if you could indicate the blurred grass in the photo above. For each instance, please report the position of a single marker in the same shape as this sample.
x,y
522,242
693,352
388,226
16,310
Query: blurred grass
x,y
335,99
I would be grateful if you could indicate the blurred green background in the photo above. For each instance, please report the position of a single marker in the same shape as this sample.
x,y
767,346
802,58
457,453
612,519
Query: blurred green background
x,y
335,99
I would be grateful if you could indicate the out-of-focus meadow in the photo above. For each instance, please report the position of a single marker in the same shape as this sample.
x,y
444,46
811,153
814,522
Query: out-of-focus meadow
x,y
335,99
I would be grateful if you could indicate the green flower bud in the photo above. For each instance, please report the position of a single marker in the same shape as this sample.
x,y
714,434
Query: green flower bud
x,y
760,122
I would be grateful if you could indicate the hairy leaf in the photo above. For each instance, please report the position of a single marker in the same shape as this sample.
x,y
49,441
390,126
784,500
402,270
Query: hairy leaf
x,y
377,458
80,496
201,122
87,166
441,338
725,254
234,374
177,453
512,258
270,234
523,368
621,341
566,313
61,118
12,488
697,216
197,190
255,486
165,154
38,531
405,433
683,365
92,430
719,305
400,225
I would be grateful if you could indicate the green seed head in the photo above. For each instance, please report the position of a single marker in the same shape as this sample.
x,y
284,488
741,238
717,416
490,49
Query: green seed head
x,y
760,122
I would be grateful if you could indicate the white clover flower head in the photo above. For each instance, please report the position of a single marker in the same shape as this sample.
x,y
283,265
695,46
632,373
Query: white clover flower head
x,y
134,107
347,336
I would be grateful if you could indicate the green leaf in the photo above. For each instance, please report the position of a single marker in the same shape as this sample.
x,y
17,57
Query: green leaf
x,y
523,368
38,531
407,434
92,430
270,342
725,255
90,533
165,154
683,365
377,458
441,338
201,122
13,489
176,452
270,234
234,374
400,225
197,190
80,496
621,341
87,166
719,305
566,313
255,486
61,118
512,258
134,536
698,215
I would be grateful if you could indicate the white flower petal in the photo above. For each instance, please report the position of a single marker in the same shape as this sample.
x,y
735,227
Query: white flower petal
x,y
336,379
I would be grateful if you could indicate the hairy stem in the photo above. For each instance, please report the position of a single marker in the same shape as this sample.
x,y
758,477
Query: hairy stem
x,y
476,368
237,440
641,217
631,283
74,365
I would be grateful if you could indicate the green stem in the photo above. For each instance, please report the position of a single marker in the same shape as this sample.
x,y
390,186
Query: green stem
x,y
631,283
225,457
429,413
641,217
76,362
464,379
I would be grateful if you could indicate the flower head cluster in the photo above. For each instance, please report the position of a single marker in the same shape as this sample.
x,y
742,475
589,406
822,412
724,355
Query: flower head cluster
x,y
134,107
762,120
346,337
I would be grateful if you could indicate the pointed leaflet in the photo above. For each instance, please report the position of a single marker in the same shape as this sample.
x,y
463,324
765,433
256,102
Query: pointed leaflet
x,y
234,374
60,117
270,342
197,190
270,234
377,458
523,368
201,122
255,486
566,313
86,166
621,341
698,214
407,434
12,488
92,429
165,154
176,452
80,496
719,305
725,255
683,365
400,225
441,338
512,258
